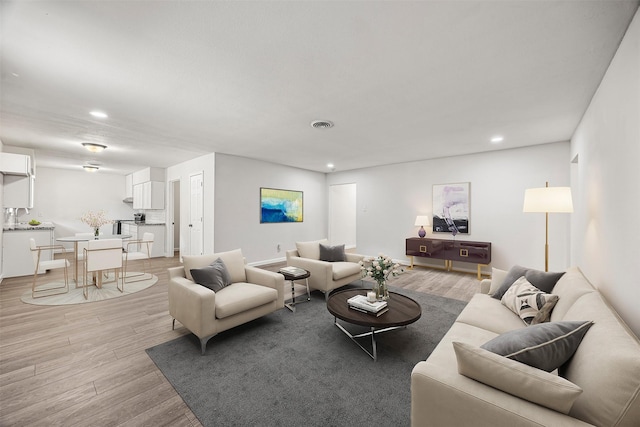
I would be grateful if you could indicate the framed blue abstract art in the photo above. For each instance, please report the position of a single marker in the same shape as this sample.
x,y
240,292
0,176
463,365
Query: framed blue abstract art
x,y
280,205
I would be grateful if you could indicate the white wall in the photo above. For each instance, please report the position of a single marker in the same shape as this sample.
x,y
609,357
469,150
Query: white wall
x,y
63,196
182,171
390,198
237,211
606,184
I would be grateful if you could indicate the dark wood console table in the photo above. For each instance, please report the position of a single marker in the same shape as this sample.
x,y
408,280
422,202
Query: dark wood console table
x,y
450,250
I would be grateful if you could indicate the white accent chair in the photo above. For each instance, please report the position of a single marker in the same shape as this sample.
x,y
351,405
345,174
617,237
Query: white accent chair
x,y
39,265
136,250
101,256
325,276
253,293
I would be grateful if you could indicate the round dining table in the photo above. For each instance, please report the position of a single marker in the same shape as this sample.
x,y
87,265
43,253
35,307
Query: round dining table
x,y
76,239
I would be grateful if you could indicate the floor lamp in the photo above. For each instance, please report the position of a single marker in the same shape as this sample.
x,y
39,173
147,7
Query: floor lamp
x,y
548,199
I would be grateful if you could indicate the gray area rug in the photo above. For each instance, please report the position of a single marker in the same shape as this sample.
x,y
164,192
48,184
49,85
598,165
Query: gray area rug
x,y
299,369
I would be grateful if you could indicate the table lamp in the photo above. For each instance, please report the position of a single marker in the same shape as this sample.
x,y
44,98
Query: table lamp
x,y
422,220
548,199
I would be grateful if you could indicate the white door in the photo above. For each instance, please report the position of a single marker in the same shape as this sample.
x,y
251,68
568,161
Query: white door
x,y
196,214
342,214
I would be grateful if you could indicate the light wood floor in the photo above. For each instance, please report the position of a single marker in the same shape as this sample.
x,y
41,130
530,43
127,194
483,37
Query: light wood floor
x,y
85,365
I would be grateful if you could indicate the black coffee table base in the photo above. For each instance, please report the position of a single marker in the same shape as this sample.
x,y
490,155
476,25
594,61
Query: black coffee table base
x,y
372,333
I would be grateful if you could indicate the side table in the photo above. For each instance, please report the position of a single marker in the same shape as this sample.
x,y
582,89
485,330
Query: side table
x,y
292,274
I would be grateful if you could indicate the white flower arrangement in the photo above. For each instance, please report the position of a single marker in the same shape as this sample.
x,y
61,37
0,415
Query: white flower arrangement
x,y
95,219
379,268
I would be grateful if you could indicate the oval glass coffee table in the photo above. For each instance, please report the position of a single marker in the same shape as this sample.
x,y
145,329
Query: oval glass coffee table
x,y
402,312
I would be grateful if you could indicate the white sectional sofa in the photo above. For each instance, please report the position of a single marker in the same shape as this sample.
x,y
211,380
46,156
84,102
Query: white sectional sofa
x,y
606,366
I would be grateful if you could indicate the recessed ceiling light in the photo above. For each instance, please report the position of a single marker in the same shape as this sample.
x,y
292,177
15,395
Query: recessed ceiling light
x,y
99,114
321,124
497,139
93,147
330,165
90,168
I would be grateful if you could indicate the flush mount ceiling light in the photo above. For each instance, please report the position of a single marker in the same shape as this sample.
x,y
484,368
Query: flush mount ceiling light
x,y
90,168
322,124
99,114
93,147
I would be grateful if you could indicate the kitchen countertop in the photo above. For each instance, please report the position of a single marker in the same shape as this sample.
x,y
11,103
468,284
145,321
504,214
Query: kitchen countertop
x,y
141,223
23,226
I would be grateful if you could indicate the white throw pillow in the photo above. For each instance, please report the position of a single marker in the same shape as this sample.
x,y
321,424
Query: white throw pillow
x,y
516,378
497,277
530,303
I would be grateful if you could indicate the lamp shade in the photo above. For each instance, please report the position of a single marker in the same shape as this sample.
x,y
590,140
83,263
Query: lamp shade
x,y
422,220
548,199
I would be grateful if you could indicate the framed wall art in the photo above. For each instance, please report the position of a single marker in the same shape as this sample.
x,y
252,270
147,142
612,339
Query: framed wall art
x,y
280,205
451,208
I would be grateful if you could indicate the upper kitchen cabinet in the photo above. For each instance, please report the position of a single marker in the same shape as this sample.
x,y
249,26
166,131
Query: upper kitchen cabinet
x,y
148,188
148,174
15,164
128,186
148,195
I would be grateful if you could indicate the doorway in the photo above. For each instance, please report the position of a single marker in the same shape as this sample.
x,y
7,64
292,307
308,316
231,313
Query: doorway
x,y
196,214
173,240
342,214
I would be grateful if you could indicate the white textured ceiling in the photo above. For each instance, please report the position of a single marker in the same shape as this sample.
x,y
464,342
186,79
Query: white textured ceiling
x,y
401,80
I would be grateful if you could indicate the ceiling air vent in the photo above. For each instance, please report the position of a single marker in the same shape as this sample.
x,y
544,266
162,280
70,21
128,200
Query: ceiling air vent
x,y
322,124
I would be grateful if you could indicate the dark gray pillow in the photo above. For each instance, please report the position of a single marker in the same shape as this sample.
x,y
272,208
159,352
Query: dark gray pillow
x,y
332,253
543,281
214,276
545,346
513,274
540,279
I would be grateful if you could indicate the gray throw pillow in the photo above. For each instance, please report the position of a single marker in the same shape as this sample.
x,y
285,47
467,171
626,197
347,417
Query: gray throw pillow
x,y
214,276
545,346
332,253
543,281
540,279
513,274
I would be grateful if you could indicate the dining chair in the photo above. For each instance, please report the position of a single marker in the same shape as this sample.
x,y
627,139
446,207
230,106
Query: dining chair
x,y
100,256
137,250
39,265
81,246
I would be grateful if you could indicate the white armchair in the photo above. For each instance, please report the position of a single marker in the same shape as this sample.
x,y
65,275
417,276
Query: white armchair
x,y
325,276
253,293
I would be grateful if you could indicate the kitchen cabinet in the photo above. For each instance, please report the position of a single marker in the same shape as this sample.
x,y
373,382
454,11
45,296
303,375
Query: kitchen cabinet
x,y
128,186
148,174
16,252
15,164
148,195
137,232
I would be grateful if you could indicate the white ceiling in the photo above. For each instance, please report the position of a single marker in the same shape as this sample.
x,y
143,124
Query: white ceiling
x,y
401,80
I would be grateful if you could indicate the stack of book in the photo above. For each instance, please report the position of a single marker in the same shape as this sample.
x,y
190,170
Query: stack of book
x,y
293,271
360,303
